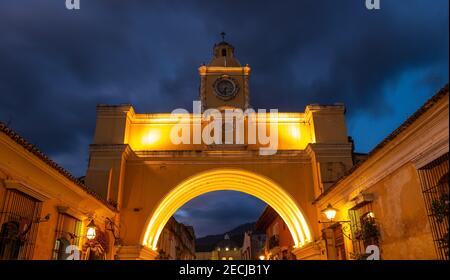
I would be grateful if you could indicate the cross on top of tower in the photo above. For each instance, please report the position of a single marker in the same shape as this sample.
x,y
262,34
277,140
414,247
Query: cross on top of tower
x,y
224,54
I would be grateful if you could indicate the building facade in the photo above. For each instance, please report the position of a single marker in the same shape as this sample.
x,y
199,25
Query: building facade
x,y
278,242
44,211
397,198
253,245
225,249
177,242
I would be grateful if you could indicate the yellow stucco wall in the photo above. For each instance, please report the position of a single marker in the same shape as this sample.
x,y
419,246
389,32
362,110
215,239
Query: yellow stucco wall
x,y
147,183
400,208
133,162
390,177
37,179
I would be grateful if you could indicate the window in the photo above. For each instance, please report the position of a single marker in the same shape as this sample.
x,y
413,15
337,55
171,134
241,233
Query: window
x,y
361,217
10,244
434,181
18,225
59,252
68,232
224,52
275,230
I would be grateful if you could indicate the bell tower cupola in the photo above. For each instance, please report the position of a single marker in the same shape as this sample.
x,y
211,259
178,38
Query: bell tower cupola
x,y
223,81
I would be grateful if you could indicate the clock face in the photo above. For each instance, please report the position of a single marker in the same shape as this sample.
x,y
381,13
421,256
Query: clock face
x,y
225,88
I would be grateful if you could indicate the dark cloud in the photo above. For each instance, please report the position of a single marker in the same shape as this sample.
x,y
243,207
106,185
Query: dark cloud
x,y
56,65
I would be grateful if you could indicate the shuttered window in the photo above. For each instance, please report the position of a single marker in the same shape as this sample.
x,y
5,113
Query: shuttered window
x,y
18,225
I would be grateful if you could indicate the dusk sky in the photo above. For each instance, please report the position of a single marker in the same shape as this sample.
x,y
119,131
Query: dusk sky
x,y
56,65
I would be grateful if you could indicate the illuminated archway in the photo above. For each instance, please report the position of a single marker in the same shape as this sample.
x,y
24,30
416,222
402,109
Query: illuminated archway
x,y
234,180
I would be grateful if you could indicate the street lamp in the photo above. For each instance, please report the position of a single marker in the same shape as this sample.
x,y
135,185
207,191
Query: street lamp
x,y
91,228
330,212
262,257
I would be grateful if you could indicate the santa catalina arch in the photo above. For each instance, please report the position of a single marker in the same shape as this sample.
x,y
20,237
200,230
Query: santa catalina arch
x,y
235,180
136,165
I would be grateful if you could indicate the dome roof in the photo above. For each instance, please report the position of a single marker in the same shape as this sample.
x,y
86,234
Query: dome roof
x,y
227,243
224,55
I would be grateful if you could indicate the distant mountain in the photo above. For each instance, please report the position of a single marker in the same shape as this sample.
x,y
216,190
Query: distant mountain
x,y
241,229
207,243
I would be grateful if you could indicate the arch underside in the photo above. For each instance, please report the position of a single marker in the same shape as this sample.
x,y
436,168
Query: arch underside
x,y
234,180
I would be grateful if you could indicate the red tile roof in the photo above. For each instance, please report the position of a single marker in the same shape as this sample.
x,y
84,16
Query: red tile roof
x,y
35,151
433,100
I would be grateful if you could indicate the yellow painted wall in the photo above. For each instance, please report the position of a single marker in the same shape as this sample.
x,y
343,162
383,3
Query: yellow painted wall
x,y
44,183
400,213
147,183
400,208
152,132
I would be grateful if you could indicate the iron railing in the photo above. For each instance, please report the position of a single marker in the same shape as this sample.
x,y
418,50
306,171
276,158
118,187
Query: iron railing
x,y
435,189
18,227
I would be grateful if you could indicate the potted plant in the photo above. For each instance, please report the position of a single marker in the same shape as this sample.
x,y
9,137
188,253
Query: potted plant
x,y
369,232
439,208
440,211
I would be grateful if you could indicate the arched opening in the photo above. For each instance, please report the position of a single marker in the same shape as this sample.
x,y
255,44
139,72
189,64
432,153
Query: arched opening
x,y
234,180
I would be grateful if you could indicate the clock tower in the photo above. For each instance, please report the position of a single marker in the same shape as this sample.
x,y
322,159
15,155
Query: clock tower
x,y
223,81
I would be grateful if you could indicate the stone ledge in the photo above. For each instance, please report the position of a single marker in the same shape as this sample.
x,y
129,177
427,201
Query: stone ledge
x,y
135,252
310,251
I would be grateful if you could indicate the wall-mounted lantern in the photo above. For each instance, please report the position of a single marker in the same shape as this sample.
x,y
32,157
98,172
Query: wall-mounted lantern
x,y
330,213
91,230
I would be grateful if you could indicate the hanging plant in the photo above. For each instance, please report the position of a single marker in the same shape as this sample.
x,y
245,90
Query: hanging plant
x,y
369,232
443,242
439,208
